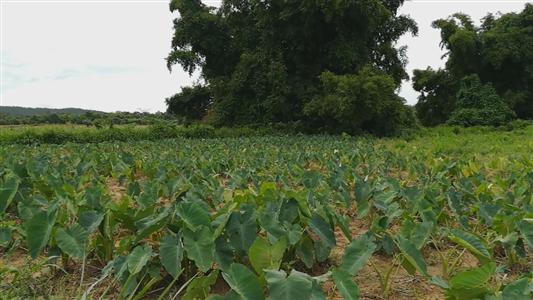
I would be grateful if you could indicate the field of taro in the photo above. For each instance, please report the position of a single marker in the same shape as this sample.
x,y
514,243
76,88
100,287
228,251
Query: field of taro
x,y
446,215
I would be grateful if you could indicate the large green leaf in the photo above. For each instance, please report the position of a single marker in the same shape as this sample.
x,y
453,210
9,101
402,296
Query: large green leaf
x,y
316,292
38,230
357,254
242,229
243,282
263,255
413,259
304,250
171,254
90,220
194,214
363,191
472,243
200,287
519,289
473,278
138,258
8,189
345,284
323,230
73,241
296,286
200,247
150,224
471,284
421,233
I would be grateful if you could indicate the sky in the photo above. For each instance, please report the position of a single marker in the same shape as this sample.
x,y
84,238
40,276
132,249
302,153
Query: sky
x,y
109,55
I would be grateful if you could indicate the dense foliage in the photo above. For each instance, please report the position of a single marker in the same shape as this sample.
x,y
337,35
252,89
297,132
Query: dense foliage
x,y
499,52
192,103
347,102
63,134
479,104
289,217
263,60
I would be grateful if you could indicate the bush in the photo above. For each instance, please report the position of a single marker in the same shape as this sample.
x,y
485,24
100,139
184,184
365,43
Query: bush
x,y
362,102
479,104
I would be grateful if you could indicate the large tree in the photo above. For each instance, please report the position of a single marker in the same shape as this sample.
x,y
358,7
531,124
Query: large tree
x,y
263,59
499,52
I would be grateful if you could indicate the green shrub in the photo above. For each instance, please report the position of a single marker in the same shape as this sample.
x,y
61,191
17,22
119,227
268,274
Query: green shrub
x,y
479,104
362,102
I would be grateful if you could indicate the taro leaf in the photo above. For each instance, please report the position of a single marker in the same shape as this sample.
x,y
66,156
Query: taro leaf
x,y
357,254
289,211
200,247
316,292
8,189
73,241
263,255
420,234
345,284
472,243
5,236
526,228
151,224
243,282
90,220
130,285
296,286
171,254
93,196
304,250
220,223
194,214
149,195
342,222
138,258
363,191
323,230
519,289
413,259
242,229
322,251
200,287
38,230
471,284
272,226
224,255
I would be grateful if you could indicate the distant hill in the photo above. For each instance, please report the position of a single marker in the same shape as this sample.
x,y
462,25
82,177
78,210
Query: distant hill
x,y
31,111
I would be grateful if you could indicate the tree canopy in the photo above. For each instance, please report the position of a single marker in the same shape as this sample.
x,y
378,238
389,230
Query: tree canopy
x,y
499,52
268,61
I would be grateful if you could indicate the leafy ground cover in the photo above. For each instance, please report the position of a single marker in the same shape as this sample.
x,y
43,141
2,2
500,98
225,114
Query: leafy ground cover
x,y
447,214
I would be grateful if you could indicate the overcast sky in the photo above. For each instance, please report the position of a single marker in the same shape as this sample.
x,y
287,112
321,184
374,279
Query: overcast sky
x,y
109,54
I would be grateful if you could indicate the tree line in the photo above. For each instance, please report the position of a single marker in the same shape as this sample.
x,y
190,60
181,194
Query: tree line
x,y
334,66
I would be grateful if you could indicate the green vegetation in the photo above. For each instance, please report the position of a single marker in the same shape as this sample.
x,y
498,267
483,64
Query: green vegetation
x,y
265,62
447,213
174,205
479,104
61,134
499,53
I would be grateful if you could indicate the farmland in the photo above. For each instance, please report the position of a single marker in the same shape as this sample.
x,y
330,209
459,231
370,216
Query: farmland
x,y
445,213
